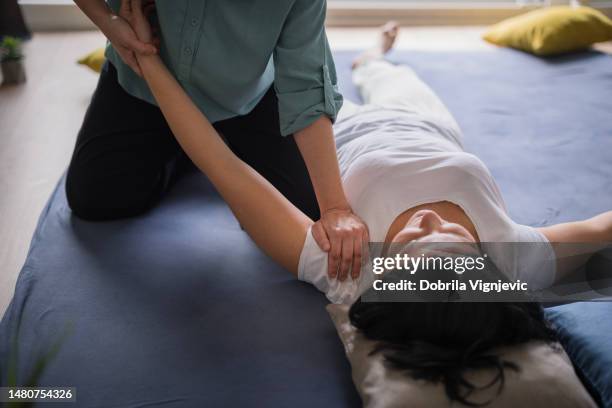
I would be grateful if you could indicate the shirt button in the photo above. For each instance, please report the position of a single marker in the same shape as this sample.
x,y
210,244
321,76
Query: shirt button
x,y
194,22
188,51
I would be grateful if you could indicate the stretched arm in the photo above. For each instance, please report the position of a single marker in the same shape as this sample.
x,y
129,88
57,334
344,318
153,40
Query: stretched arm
x,y
275,224
596,232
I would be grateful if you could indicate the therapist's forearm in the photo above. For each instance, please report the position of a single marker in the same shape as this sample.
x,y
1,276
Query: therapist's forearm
x,y
318,148
97,10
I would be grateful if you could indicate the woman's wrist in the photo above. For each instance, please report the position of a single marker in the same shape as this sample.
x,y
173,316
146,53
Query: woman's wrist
x,y
149,65
105,19
338,206
98,12
330,194
149,59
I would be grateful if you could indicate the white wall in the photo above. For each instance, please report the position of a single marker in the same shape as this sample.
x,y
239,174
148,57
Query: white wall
x,y
54,15
61,15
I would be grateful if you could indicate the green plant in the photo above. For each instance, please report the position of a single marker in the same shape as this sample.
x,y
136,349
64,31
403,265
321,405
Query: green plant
x,y
41,362
10,49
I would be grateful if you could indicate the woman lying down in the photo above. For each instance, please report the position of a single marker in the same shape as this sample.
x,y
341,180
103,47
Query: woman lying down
x,y
406,174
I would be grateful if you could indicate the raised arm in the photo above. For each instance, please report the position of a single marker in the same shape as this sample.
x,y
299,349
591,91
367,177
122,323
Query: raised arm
x,y
596,232
275,224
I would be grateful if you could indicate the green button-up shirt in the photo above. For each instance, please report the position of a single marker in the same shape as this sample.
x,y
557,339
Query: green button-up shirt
x,y
227,53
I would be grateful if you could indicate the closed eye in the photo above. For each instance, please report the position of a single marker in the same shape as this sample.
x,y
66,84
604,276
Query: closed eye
x,y
450,232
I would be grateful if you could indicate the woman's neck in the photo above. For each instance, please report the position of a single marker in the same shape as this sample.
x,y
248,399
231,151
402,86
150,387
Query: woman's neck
x,y
447,210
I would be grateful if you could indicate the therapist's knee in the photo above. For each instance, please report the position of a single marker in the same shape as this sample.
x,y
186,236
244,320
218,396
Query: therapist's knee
x,y
95,194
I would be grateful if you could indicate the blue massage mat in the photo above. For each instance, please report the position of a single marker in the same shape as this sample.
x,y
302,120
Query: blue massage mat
x,y
178,308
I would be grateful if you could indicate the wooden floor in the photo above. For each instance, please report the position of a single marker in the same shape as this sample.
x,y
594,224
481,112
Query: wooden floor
x,y
38,125
39,122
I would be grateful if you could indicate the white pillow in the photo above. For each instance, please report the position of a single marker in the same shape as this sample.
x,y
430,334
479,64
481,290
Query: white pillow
x,y
546,377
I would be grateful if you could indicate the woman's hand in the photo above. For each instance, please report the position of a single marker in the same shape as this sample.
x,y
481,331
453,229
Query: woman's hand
x,y
344,236
136,13
118,31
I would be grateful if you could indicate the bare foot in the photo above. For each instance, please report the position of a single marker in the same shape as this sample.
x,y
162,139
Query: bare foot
x,y
388,35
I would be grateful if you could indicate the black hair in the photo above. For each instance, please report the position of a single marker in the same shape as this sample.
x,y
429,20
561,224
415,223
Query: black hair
x,y
441,341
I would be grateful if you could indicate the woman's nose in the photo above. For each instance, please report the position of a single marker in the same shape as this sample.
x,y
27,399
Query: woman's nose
x,y
430,221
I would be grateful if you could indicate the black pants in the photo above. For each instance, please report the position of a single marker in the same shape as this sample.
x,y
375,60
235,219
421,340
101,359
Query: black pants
x,y
126,157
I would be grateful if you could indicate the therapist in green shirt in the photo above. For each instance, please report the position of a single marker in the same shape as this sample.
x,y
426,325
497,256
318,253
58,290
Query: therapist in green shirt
x,y
260,70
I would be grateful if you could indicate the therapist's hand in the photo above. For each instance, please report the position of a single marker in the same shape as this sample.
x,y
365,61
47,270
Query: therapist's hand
x,y
344,236
122,35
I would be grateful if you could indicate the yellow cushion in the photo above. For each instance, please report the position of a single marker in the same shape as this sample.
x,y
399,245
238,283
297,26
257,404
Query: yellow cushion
x,y
552,30
94,59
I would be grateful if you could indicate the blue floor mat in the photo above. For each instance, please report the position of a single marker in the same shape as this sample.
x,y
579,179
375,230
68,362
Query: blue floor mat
x,y
179,308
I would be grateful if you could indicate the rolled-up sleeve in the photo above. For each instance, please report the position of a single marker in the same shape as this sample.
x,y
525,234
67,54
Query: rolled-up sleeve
x,y
305,75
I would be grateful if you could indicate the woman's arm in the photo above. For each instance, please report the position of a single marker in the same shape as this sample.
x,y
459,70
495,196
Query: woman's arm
x,y
275,224
575,242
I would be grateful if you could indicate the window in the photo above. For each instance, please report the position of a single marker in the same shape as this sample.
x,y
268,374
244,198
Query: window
x,y
439,12
449,3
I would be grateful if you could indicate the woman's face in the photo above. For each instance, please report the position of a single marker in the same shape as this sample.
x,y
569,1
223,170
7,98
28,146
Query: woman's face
x,y
427,226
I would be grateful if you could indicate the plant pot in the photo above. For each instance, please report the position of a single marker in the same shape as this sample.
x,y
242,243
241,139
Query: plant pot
x,y
13,72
